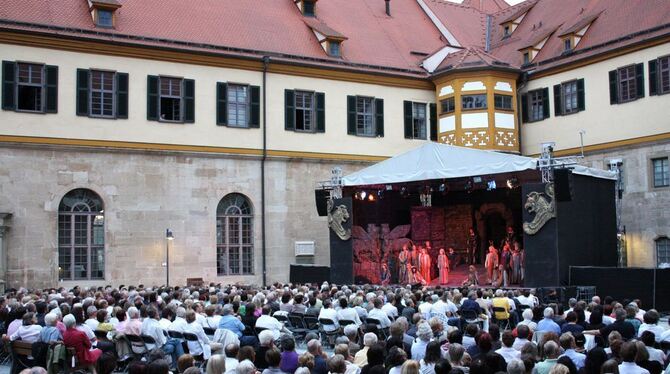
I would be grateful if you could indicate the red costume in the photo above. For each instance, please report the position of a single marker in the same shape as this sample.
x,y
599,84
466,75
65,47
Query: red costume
x,y
425,264
82,346
443,266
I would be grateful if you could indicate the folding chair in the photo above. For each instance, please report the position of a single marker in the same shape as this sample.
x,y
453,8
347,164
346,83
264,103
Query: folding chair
x,y
209,331
380,329
470,316
137,346
190,337
501,321
329,335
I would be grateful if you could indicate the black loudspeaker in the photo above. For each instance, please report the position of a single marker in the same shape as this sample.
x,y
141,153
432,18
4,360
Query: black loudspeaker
x,y
321,197
563,184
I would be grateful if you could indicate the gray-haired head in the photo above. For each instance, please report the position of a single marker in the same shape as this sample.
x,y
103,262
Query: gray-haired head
x,y
69,321
50,319
227,309
516,366
424,332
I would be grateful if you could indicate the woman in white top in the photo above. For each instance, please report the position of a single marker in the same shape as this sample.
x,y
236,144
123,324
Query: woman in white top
x,y
527,319
396,358
423,335
433,354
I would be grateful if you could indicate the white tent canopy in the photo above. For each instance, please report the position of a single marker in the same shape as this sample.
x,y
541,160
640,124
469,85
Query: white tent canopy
x,y
440,161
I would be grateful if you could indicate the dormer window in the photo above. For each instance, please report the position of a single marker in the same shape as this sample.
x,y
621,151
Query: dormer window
x,y
526,58
105,18
567,44
308,8
104,12
334,48
506,30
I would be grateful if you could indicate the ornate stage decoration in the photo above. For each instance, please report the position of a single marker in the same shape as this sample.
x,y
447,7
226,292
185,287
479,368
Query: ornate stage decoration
x,y
375,246
543,207
337,215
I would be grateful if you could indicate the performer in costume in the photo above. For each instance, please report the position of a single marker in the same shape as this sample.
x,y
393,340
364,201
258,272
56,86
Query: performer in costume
x,y
443,267
425,265
385,275
416,277
516,265
491,263
473,278
403,259
415,252
506,262
472,247
453,258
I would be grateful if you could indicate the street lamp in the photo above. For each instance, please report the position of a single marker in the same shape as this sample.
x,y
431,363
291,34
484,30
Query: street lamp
x,y
168,238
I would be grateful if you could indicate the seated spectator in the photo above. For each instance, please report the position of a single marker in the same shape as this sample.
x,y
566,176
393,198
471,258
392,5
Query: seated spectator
x,y
50,332
628,355
298,306
551,352
266,321
203,346
184,362
595,359
432,355
424,335
361,358
567,342
375,359
228,321
313,310
351,333
151,327
378,314
650,319
571,325
92,321
86,355
410,367
103,321
516,366
337,364
507,351
320,365
329,313
289,357
595,321
620,325
216,365
266,340
642,359
347,313
649,339
231,350
471,331
29,331
343,349
245,367
547,324
631,311
395,359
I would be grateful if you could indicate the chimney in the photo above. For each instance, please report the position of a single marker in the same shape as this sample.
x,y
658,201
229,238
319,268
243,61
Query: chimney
x,y
388,7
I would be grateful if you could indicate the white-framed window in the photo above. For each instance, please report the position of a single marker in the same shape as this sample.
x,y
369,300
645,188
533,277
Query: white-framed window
x,y
102,88
419,120
171,99
365,117
304,111
81,236
234,236
238,105
663,252
569,97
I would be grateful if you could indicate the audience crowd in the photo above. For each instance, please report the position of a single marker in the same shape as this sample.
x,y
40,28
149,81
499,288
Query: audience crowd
x,y
286,328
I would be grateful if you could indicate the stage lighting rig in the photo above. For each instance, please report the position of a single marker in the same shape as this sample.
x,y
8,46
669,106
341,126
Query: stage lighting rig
x,y
469,186
491,185
371,197
363,195
512,183
403,191
380,194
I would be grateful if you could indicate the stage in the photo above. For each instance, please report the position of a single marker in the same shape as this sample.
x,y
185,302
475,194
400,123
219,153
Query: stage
x,y
458,275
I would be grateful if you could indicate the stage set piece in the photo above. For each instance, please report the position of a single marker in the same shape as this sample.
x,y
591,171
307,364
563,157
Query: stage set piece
x,y
442,214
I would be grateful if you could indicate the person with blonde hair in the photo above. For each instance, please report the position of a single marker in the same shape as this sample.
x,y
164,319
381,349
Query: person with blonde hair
x,y
410,367
216,365
559,369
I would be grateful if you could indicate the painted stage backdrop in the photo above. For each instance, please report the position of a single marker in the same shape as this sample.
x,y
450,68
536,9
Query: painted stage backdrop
x,y
374,246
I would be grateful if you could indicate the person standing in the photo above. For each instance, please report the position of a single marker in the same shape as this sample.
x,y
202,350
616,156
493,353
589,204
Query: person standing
x,y
425,265
506,262
516,264
491,264
472,246
403,260
443,266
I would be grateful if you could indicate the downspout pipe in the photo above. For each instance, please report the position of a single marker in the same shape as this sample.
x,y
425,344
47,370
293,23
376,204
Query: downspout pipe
x,y
266,62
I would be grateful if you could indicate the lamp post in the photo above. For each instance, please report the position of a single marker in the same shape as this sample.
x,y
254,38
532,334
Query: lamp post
x,y
168,238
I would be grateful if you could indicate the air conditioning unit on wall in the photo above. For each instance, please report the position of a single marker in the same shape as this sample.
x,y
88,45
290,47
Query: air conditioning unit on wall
x,y
304,252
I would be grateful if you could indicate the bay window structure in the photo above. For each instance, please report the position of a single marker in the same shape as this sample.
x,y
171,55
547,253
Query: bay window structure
x,y
234,236
81,236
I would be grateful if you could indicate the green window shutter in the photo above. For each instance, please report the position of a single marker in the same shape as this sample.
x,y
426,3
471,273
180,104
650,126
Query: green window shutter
x,y
379,117
83,75
51,87
557,100
122,95
639,80
581,101
221,104
407,108
433,121
152,97
653,78
524,108
351,115
614,87
189,100
255,118
8,85
320,111
545,103
289,110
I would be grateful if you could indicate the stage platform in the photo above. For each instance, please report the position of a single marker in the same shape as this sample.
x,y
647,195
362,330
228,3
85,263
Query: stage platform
x,y
460,274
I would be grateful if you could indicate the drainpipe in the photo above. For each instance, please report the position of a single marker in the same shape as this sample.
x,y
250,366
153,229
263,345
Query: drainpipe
x,y
266,62
524,81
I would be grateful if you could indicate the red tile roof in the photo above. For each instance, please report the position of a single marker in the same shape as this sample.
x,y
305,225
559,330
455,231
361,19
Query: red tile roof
x,y
322,28
376,42
471,58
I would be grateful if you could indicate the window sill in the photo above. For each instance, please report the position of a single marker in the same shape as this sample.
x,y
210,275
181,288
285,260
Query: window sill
x,y
535,121
505,110
29,111
474,110
171,122
570,113
235,126
102,117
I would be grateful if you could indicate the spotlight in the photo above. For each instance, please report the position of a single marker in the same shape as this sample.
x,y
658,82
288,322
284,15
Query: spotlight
x,y
380,194
371,197
363,195
389,187
403,191
357,195
491,185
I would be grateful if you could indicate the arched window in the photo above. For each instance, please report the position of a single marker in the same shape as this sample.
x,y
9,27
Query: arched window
x,y
234,236
81,236
663,252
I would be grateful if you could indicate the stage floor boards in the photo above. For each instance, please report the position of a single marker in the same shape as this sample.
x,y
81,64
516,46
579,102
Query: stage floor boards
x,y
460,274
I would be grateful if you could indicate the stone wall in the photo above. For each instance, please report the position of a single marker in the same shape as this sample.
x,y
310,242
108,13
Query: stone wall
x,y
645,209
145,193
